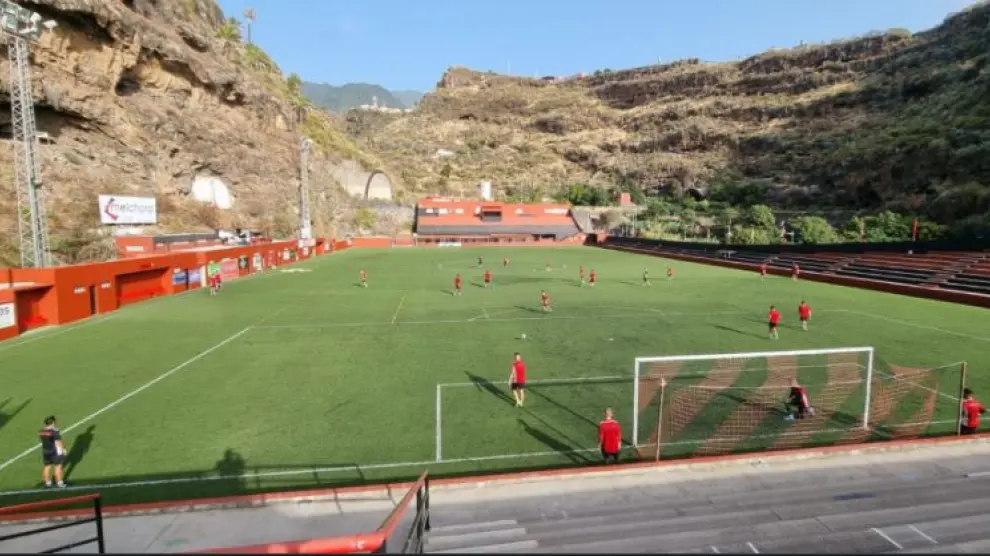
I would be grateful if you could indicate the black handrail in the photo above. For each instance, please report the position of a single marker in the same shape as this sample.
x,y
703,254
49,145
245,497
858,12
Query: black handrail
x,y
414,542
23,510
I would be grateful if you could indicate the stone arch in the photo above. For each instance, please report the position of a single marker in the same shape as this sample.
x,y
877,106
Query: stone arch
x,y
371,176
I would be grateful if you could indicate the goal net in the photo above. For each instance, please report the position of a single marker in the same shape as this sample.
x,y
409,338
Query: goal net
x,y
735,402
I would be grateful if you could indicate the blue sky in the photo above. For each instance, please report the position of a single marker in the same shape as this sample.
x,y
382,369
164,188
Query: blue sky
x,y
407,44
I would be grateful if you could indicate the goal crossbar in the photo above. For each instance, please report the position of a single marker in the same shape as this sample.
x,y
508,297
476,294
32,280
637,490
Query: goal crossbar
x,y
638,375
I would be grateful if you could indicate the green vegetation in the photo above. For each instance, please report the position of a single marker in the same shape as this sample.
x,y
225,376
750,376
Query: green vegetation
x,y
296,380
256,58
229,30
319,129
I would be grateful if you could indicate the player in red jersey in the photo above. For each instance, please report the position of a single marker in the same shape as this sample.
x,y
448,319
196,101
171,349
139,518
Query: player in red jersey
x,y
610,437
804,313
457,284
592,278
214,283
581,274
795,272
545,301
798,400
364,279
763,271
971,411
488,278
670,273
505,261
517,380
773,318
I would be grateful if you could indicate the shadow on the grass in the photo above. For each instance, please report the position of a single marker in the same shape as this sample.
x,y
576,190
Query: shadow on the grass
x,y
231,475
564,449
7,417
529,309
483,383
737,331
78,450
536,392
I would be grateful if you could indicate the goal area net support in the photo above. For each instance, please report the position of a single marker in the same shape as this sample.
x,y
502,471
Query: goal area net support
x,y
711,404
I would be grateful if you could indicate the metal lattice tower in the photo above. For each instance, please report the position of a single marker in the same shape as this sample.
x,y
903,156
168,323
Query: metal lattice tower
x,y
19,27
305,224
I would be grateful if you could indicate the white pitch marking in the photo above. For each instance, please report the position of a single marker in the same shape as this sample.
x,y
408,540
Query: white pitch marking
x,y
887,538
919,326
753,548
922,534
399,308
978,474
41,334
133,393
485,312
714,549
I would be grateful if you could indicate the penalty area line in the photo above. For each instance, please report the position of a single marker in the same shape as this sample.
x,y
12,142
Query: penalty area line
x,y
132,393
399,308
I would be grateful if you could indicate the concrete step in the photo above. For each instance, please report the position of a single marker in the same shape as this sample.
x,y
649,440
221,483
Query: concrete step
x,y
468,539
972,547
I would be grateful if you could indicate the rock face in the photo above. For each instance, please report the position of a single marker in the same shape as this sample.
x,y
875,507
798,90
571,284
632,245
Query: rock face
x,y
889,119
140,97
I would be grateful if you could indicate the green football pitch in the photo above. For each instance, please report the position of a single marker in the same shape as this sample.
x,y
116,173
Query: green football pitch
x,y
302,379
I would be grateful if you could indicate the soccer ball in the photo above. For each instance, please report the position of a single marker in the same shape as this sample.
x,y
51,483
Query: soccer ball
x,y
523,336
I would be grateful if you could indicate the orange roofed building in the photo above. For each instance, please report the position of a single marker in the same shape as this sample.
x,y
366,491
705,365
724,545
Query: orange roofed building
x,y
440,217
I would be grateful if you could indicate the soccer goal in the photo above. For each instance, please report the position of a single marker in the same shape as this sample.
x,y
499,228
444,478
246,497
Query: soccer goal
x,y
732,402
710,403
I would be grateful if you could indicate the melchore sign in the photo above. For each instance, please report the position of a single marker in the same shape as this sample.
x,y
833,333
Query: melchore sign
x,y
115,209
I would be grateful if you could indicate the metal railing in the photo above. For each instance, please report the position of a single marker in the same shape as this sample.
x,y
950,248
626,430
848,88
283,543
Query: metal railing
x,y
378,542
24,510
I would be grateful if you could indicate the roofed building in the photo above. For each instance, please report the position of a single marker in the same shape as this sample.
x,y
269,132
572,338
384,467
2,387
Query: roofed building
x,y
445,219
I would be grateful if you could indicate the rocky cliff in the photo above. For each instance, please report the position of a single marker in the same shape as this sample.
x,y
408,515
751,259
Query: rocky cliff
x,y
140,97
889,119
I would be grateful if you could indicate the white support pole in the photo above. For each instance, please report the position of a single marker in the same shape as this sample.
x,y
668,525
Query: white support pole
x,y
635,413
869,385
439,432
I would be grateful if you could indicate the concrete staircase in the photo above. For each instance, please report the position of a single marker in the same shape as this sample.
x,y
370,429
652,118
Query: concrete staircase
x,y
914,509
956,267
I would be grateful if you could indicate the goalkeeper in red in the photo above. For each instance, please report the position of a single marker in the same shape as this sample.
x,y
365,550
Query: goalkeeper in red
x,y
804,314
971,411
610,437
798,403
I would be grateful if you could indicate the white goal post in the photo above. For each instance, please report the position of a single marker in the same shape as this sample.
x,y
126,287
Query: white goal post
x,y
644,369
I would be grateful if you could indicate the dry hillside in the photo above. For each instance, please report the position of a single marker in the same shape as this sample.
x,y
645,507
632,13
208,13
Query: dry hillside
x,y
142,96
886,120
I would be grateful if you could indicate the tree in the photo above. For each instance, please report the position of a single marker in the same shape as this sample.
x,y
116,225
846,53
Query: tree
x,y
293,83
249,16
761,217
893,226
814,229
364,218
689,219
229,31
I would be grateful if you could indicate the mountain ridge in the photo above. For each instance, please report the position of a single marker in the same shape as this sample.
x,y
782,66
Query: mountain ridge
x,y
342,98
889,120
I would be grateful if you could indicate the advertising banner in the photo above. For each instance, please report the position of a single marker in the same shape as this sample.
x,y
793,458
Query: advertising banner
x,y
115,209
8,315
228,269
242,262
179,277
258,264
195,276
285,255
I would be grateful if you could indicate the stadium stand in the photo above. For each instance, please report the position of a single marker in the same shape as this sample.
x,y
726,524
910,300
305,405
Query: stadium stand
x,y
443,218
966,271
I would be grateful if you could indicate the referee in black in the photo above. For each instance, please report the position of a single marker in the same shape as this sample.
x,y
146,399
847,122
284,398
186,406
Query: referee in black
x,y
52,453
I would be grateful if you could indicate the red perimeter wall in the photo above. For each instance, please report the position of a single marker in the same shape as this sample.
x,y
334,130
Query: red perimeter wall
x,y
65,294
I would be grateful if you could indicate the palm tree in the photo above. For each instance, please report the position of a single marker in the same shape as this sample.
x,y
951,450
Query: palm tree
x,y
249,16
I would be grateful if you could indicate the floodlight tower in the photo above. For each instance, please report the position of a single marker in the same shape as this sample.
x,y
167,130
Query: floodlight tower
x,y
305,224
20,26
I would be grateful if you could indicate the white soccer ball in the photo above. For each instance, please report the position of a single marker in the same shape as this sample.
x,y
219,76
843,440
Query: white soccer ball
x,y
523,336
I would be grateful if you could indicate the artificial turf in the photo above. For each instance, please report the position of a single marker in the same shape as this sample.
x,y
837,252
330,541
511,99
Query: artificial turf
x,y
304,379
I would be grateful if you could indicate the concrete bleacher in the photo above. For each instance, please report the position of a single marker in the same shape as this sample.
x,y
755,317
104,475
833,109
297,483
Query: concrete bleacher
x,y
871,503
